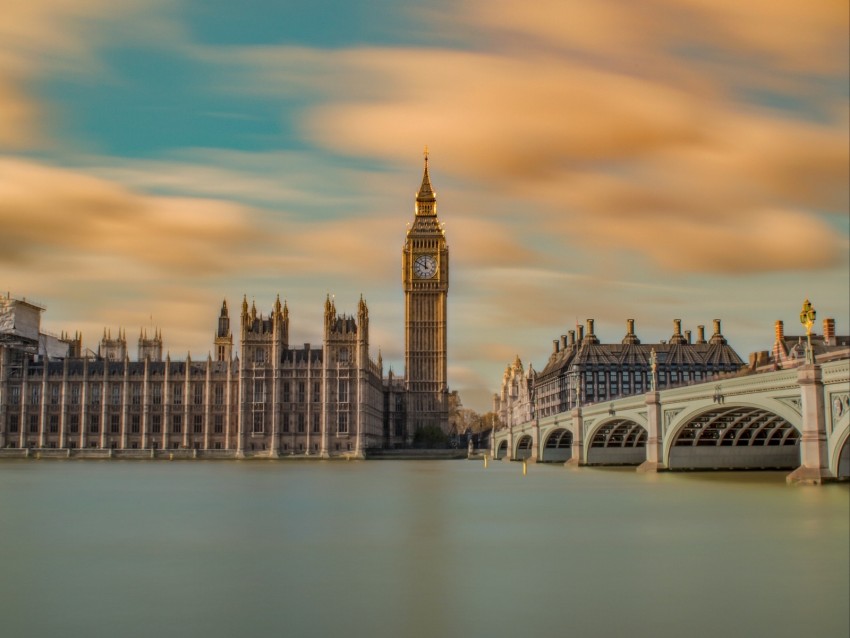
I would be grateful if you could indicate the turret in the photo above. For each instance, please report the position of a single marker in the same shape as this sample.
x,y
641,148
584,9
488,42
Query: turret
x,y
363,321
330,315
150,348
223,341
75,344
223,321
280,318
113,349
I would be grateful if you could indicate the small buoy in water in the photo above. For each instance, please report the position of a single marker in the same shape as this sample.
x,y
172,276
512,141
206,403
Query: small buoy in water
x,y
171,457
524,467
38,456
485,461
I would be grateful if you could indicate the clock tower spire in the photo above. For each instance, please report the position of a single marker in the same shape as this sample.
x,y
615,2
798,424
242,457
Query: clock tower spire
x,y
425,277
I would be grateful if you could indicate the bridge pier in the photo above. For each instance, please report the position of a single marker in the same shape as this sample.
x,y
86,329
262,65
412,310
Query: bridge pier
x,y
510,454
535,442
654,439
814,459
577,457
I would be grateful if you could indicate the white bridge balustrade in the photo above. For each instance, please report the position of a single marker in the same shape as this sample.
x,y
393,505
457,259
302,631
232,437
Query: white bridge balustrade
x,y
795,419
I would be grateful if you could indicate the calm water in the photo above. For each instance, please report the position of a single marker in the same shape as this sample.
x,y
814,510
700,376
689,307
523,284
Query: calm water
x,y
390,548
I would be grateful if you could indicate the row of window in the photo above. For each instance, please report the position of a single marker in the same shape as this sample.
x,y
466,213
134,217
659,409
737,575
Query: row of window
x,y
196,393
261,354
95,392
604,384
197,425
94,422
300,423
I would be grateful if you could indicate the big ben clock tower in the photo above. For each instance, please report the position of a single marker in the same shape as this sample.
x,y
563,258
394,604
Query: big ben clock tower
x,y
425,275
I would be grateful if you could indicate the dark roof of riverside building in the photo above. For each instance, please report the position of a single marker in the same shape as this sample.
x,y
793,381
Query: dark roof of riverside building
x,y
581,349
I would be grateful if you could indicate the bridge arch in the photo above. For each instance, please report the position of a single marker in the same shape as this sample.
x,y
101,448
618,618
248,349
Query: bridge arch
x,y
842,457
502,449
618,441
558,445
733,437
523,447
840,464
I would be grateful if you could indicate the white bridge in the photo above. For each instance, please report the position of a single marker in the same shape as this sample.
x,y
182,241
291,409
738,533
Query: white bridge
x,y
794,419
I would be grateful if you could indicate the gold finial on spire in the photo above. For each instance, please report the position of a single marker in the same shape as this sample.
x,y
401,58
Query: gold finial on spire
x,y
426,154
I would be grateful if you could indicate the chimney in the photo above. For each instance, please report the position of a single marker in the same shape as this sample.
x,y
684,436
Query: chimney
x,y
779,330
677,333
630,337
590,338
829,331
572,337
700,334
580,333
688,336
717,337
564,342
555,344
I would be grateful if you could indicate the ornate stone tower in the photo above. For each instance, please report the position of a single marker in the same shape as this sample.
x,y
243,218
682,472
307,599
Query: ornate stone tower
x,y
113,349
223,337
425,275
150,348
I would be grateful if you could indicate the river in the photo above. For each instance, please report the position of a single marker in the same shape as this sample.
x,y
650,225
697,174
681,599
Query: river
x,y
416,548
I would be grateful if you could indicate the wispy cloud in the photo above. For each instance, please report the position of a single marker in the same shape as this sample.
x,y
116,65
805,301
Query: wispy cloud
x,y
607,159
40,37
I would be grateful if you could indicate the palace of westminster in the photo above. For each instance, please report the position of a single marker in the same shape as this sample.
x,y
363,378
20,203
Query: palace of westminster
x,y
272,399
276,400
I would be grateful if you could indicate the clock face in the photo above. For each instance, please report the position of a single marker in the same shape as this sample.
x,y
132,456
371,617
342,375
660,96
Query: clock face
x,y
425,266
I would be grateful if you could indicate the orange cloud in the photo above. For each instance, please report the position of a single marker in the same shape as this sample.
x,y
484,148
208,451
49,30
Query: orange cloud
x,y
48,211
591,143
787,34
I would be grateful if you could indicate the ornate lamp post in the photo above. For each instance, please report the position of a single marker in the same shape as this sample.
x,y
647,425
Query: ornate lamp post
x,y
807,318
576,375
653,367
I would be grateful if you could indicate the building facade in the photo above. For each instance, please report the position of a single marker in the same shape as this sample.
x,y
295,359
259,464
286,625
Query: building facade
x,y
269,399
583,370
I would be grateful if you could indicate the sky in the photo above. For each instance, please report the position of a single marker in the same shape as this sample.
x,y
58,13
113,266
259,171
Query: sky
x,y
610,160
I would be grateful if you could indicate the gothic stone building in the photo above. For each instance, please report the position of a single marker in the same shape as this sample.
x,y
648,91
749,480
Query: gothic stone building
x,y
272,399
582,370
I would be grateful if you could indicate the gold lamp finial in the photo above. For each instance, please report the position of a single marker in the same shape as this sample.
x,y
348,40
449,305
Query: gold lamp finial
x,y
807,318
